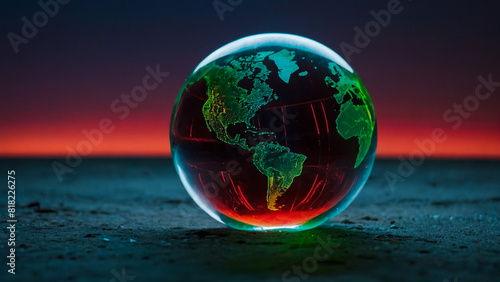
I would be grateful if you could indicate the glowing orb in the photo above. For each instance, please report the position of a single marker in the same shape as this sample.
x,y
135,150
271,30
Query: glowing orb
x,y
273,131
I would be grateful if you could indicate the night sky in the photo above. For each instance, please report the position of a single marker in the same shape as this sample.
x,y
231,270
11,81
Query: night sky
x,y
65,78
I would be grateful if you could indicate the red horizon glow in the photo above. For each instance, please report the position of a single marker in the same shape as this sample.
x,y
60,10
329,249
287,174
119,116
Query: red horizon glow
x,y
133,140
66,79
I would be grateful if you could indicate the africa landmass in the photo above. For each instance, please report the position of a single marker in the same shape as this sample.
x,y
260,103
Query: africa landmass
x,y
353,120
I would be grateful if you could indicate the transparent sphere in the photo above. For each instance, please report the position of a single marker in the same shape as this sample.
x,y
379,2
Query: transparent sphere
x,y
273,132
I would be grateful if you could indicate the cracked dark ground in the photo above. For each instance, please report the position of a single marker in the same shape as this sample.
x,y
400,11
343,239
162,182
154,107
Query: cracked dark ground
x,y
131,219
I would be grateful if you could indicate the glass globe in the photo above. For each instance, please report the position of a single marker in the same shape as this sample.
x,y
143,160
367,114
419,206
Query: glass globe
x,y
273,132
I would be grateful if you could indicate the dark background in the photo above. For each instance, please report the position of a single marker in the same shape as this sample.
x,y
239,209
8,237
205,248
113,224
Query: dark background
x,y
65,78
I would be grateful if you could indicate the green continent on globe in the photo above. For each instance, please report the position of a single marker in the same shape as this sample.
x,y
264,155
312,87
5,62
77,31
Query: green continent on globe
x,y
280,166
283,60
229,104
353,120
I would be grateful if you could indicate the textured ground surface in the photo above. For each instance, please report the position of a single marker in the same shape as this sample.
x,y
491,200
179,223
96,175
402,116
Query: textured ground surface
x,y
130,219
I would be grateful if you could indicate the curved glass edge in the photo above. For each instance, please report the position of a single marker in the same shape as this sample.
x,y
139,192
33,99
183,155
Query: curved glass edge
x,y
192,193
272,39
